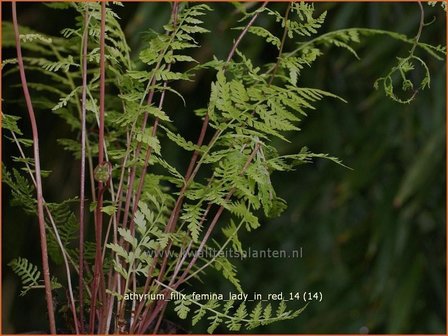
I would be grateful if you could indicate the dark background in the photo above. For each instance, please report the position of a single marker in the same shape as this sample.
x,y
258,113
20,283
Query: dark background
x,y
373,238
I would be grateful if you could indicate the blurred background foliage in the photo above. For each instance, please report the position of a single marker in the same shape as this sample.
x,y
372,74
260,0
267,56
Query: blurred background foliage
x,y
373,238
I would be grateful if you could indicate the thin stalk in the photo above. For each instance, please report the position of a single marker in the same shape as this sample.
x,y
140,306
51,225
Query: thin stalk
x,y
240,37
146,162
73,87
420,28
56,236
115,280
50,216
282,44
181,261
83,171
98,280
40,207
159,321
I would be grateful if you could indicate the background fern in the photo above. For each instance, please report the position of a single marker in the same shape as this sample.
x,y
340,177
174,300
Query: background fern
x,y
29,275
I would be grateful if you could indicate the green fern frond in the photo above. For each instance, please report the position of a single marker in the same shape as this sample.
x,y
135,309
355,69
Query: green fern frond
x,y
27,272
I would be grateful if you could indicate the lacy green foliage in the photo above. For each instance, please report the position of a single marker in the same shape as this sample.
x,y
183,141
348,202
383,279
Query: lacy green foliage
x,y
232,314
148,238
21,190
345,38
68,228
249,107
29,275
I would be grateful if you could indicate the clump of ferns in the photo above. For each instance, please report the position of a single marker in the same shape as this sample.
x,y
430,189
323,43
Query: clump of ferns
x,y
147,215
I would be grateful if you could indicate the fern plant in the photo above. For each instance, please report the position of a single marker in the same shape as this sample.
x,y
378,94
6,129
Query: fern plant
x,y
151,220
